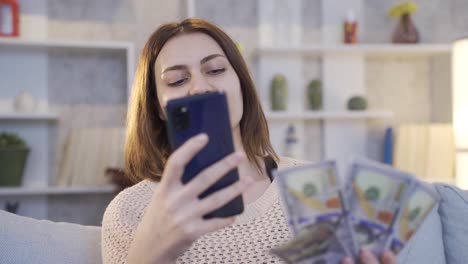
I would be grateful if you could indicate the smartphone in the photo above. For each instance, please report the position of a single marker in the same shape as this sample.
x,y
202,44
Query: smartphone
x,y
205,113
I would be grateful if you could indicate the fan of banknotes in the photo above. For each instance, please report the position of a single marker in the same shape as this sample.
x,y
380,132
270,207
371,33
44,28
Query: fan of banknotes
x,y
379,208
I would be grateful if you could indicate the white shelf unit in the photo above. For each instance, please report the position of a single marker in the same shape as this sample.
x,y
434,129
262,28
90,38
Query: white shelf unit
x,y
321,115
29,116
116,46
361,49
50,43
25,65
343,133
55,190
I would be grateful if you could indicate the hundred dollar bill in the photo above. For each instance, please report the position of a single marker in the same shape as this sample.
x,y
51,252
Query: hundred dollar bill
x,y
310,193
312,197
419,202
314,244
374,193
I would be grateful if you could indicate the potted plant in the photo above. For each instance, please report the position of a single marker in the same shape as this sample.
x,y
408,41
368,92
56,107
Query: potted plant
x,y
13,156
314,92
357,103
278,93
406,31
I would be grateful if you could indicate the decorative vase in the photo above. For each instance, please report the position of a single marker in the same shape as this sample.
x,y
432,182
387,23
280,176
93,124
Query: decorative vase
x,y
278,93
406,31
25,102
357,103
314,92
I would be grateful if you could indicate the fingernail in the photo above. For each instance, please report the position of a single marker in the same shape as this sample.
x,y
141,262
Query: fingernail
x,y
365,255
202,137
387,256
347,260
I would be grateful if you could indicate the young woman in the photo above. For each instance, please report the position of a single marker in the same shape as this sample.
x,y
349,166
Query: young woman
x,y
159,220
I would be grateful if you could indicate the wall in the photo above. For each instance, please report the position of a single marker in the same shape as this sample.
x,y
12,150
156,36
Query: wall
x,y
423,84
416,89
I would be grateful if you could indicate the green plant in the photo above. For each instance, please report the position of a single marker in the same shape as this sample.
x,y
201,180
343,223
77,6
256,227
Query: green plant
x,y
278,92
11,140
13,156
357,103
314,90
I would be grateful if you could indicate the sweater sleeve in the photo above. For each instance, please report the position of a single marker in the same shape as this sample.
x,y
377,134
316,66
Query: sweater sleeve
x,y
120,222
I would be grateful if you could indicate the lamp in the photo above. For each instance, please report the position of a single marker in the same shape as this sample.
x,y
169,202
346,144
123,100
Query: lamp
x,y
460,109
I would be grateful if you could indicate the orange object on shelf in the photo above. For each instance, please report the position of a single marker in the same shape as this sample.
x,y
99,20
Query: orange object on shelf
x,y
350,29
9,18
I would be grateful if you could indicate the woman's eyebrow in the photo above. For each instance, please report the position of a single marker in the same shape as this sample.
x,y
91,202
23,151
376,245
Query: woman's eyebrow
x,y
174,68
184,67
210,57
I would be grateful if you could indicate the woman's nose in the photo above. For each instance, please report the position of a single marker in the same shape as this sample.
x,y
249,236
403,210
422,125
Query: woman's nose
x,y
199,85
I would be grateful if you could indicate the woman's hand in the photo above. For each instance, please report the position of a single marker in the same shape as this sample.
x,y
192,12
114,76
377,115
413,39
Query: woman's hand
x,y
173,219
367,257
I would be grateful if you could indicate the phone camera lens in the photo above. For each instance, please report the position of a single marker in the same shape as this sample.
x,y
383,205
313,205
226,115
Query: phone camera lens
x,y
182,119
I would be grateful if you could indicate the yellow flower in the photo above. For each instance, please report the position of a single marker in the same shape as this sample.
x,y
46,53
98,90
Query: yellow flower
x,y
401,9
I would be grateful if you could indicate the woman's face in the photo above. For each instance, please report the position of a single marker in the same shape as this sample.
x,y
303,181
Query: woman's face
x,y
194,63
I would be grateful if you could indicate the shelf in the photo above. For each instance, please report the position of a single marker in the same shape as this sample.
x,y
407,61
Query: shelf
x,y
29,191
29,116
365,49
309,115
102,45
45,44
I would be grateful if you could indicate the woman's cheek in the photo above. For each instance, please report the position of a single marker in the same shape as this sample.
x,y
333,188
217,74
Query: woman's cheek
x,y
235,106
166,95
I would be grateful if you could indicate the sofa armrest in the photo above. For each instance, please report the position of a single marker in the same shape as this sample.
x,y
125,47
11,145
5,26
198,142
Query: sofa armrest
x,y
453,211
28,240
426,245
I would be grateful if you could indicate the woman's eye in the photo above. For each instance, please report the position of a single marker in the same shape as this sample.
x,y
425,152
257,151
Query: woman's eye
x,y
217,71
178,83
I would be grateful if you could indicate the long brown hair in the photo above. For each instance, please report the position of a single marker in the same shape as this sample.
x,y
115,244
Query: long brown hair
x,y
147,146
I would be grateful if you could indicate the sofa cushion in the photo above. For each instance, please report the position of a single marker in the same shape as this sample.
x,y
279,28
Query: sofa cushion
x,y
27,240
453,212
426,245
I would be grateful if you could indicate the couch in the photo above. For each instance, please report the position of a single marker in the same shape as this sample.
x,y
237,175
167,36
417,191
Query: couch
x,y
443,237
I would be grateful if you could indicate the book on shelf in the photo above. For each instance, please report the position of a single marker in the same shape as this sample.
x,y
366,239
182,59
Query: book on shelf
x,y
427,150
441,153
410,148
88,153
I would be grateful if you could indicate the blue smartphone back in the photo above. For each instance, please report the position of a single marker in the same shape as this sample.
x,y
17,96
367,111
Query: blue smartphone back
x,y
205,113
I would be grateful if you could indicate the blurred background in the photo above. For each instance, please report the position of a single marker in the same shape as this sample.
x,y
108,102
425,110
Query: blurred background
x,y
374,78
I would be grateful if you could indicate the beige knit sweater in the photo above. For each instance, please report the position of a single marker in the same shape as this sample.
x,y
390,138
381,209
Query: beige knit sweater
x,y
259,228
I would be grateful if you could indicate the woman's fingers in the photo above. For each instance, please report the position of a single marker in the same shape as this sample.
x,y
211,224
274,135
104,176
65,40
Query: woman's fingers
x,y
175,165
210,175
367,257
388,258
347,260
221,197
